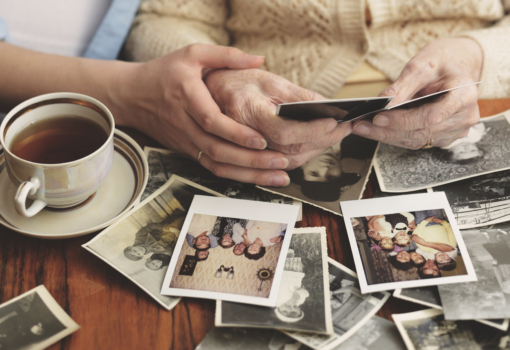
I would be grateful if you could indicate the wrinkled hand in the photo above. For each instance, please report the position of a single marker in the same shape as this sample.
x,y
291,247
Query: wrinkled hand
x,y
250,97
170,102
440,65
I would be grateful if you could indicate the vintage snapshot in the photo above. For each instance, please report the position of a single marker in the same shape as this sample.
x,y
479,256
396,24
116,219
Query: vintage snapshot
x,y
248,339
340,173
33,320
479,201
243,262
350,309
303,301
164,163
428,329
484,150
140,244
406,241
489,297
429,296
377,334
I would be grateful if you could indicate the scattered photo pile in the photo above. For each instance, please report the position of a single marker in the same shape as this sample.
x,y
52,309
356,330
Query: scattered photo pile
x,y
406,241
485,150
33,320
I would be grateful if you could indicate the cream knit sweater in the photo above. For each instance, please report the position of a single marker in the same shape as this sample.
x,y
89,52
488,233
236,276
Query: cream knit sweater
x,y
317,44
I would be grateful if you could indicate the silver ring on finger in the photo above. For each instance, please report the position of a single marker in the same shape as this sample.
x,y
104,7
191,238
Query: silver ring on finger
x,y
429,144
199,156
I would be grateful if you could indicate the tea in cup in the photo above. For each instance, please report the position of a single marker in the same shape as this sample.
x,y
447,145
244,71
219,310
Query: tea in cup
x,y
58,150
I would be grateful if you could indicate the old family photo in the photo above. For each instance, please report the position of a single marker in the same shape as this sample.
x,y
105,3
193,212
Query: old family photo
x,y
484,150
34,320
350,309
231,250
303,301
406,246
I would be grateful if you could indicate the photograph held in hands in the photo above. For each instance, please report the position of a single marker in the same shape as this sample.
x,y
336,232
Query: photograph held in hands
x,y
406,241
240,261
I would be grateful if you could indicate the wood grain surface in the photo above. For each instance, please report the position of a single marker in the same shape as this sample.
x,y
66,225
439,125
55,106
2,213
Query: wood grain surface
x,y
116,314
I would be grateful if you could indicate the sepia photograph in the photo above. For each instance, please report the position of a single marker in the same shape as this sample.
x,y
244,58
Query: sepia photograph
x,y
33,321
479,201
489,297
412,242
377,334
484,150
164,163
350,308
248,339
428,329
243,262
303,301
140,244
340,173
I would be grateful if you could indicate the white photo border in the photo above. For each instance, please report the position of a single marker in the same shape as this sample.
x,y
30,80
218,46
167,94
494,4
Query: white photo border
x,y
395,204
235,208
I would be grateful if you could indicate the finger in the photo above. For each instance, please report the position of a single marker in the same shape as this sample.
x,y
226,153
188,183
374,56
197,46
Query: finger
x,y
215,56
430,114
242,174
201,106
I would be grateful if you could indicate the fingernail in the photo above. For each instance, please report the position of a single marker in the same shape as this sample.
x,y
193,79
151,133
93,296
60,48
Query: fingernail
x,y
278,163
361,129
257,143
255,56
279,180
381,120
331,126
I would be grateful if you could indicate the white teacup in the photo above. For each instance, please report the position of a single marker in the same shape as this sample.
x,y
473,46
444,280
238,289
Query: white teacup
x,y
61,185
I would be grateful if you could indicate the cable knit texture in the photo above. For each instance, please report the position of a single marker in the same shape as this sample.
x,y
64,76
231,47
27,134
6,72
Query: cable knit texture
x,y
317,44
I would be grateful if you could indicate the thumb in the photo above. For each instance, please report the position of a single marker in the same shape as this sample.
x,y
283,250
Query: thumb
x,y
215,56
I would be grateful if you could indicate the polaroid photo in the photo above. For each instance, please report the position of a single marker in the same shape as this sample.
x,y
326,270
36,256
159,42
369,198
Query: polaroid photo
x,y
33,320
140,244
489,297
303,302
340,173
378,333
486,149
245,266
405,242
479,201
164,163
350,309
429,296
349,110
428,329
248,339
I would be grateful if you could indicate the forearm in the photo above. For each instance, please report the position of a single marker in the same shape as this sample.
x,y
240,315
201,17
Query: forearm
x,y
439,246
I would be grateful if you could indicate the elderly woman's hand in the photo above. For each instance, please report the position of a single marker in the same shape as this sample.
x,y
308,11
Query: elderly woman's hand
x,y
250,97
440,65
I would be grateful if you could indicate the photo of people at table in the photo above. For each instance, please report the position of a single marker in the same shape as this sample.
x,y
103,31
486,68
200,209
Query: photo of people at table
x,y
407,246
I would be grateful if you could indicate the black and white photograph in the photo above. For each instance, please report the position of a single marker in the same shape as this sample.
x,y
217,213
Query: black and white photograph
x,y
479,201
248,339
33,321
164,163
489,297
484,150
340,173
349,308
243,262
377,334
303,301
405,242
140,244
428,296
428,329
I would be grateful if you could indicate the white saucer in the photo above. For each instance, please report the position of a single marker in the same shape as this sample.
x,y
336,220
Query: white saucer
x,y
119,193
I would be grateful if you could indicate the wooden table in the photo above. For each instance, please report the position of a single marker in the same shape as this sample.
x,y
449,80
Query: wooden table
x,y
116,314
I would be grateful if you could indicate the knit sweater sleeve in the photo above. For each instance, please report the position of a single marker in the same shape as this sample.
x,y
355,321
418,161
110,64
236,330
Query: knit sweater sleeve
x,y
385,12
495,44
163,26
